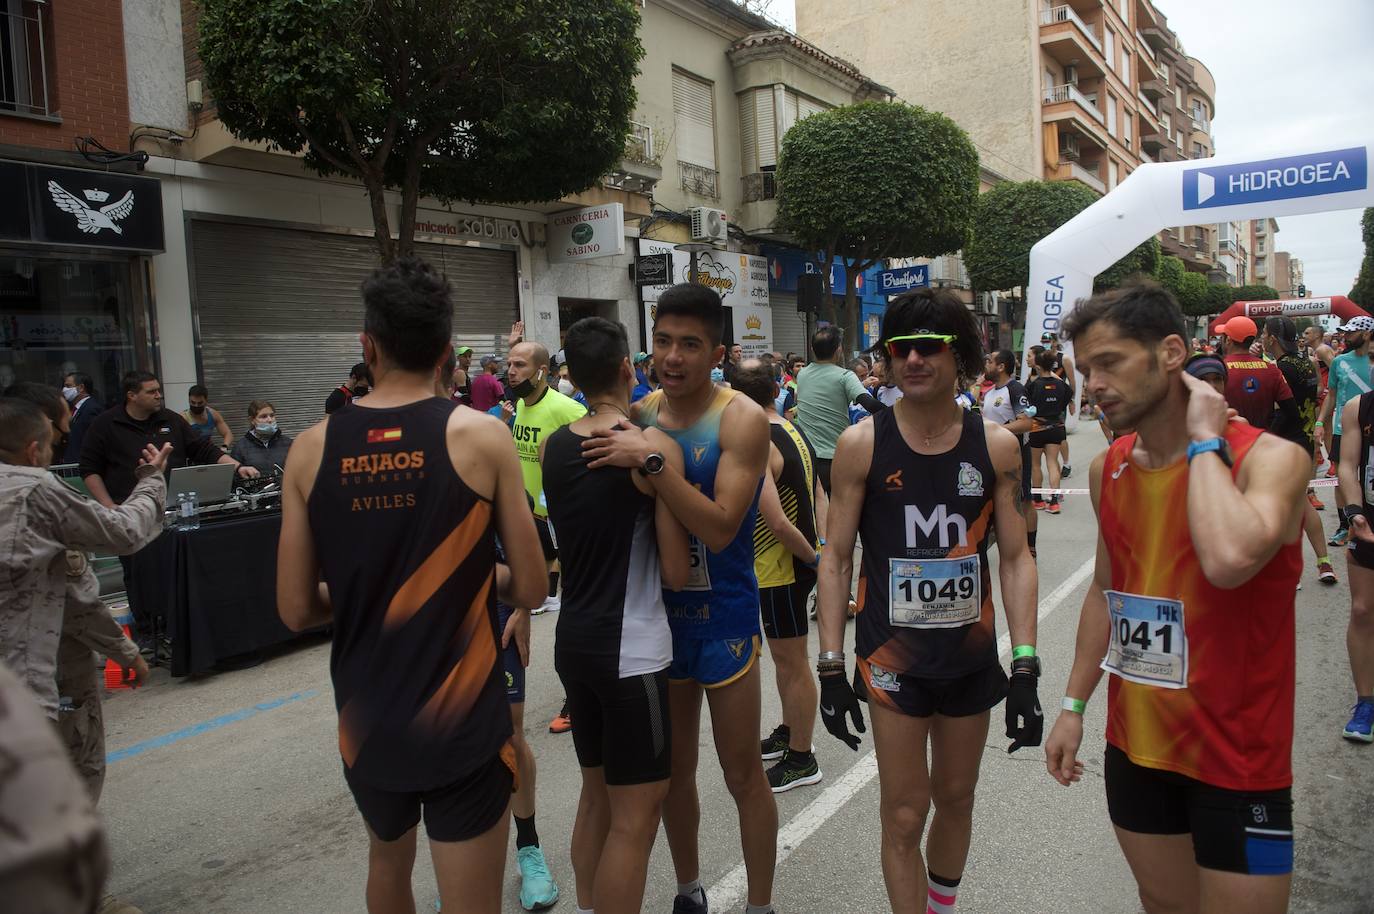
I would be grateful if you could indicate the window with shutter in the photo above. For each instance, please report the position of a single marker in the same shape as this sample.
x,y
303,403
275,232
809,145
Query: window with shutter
x,y
695,120
748,136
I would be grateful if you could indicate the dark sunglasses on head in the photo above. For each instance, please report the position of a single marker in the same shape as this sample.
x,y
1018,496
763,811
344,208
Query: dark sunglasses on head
x,y
925,345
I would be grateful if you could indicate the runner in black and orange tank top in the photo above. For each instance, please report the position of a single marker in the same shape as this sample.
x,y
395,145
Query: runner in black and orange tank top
x,y
396,503
1192,613
925,484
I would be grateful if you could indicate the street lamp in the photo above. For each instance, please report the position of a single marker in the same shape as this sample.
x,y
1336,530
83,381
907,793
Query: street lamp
x,y
694,248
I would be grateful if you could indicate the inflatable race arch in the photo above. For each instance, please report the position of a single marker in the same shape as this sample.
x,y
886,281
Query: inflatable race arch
x,y
1338,305
1160,195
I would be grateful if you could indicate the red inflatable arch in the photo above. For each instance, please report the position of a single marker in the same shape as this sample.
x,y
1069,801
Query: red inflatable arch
x,y
1338,305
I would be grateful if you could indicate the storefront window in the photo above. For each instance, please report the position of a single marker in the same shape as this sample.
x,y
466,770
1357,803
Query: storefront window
x,y
61,315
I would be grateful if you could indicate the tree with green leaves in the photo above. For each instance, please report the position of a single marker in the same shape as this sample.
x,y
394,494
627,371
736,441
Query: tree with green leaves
x,y
876,180
486,102
1253,292
1362,293
1012,216
1193,294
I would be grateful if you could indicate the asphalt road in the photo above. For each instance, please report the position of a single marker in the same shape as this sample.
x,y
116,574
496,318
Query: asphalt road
x,y
226,795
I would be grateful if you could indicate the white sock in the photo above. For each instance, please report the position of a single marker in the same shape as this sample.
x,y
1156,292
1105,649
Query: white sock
x,y
759,908
692,890
578,910
940,895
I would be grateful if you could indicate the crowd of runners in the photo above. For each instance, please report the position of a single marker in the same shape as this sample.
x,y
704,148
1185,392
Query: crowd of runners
x,y
682,528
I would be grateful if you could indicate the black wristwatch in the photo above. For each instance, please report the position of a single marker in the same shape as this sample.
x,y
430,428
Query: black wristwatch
x,y
652,466
1026,665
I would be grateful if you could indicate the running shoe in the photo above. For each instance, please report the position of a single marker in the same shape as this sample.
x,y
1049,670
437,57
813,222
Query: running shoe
x,y
1330,469
1325,573
1053,508
775,746
1314,501
562,721
1040,504
550,605
112,905
852,610
1339,538
796,769
685,904
1065,471
1361,726
537,888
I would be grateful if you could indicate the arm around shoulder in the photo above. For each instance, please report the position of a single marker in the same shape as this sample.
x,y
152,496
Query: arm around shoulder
x,y
674,545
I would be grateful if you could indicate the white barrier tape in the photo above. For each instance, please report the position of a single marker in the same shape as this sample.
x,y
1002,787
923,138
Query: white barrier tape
x,y
1324,482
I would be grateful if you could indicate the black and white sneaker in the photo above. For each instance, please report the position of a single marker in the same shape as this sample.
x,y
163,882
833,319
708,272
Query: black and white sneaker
x,y
686,904
1065,471
797,769
775,746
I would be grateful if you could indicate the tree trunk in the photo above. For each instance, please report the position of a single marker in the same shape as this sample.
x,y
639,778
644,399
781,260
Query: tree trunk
x,y
381,223
410,201
853,319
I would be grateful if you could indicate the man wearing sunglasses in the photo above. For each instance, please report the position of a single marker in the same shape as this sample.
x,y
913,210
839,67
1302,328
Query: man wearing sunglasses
x,y
925,484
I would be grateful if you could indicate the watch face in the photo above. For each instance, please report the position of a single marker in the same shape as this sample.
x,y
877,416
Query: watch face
x,y
653,463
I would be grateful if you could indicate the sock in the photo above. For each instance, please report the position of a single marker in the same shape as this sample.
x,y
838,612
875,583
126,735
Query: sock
x,y
578,910
692,890
525,834
1369,698
759,908
553,583
940,894
1323,560
1030,537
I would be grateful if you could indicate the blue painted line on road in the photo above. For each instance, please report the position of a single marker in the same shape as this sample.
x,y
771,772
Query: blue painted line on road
x,y
206,726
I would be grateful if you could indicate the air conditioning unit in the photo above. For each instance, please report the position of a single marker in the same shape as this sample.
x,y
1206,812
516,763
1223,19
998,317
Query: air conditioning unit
x,y
1071,75
708,224
1068,146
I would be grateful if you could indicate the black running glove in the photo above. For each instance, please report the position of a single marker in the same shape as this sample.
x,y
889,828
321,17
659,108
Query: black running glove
x,y
837,700
1025,720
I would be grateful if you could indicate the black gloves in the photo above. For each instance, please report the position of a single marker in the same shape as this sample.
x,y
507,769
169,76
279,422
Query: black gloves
x,y
1025,720
837,700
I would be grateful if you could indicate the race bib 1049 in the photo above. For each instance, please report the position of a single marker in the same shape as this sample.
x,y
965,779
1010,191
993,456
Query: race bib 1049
x,y
935,593
1148,643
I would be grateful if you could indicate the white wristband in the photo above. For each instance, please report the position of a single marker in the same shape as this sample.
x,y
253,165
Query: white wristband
x,y
1076,705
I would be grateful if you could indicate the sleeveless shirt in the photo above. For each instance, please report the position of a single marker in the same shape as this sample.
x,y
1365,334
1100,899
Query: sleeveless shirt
x,y
408,552
721,599
925,527
1231,724
773,564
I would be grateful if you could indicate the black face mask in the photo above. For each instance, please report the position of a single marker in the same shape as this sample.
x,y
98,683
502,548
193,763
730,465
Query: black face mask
x,y
197,410
523,389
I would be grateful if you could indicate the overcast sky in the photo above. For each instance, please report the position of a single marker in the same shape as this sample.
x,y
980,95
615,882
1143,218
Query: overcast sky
x,y
1289,76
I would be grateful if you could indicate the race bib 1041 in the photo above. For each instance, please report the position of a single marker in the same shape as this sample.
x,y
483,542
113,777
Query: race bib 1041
x,y
935,593
1148,643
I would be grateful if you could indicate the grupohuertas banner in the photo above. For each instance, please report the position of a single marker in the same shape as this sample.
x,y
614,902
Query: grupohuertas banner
x,y
1159,195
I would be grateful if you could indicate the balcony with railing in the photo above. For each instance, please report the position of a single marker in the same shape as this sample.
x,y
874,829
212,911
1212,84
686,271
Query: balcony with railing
x,y
758,209
639,170
26,60
1147,105
759,187
699,180
1145,45
1054,18
1058,95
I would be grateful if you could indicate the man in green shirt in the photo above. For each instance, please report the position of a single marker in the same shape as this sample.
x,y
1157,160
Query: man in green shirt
x,y
825,388
1349,377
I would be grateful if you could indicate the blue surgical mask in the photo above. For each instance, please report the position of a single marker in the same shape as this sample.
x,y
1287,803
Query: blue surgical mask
x,y
266,429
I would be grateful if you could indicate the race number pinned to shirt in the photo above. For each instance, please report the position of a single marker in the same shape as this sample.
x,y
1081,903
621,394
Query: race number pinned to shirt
x,y
698,574
935,593
1148,643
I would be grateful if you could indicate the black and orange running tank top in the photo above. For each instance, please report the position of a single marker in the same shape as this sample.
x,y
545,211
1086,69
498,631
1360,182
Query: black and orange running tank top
x,y
408,552
925,526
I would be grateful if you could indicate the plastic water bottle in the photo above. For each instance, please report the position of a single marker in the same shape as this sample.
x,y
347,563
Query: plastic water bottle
x,y
188,511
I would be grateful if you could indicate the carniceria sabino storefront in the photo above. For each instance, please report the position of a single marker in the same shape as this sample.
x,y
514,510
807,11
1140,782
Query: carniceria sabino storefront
x,y
75,250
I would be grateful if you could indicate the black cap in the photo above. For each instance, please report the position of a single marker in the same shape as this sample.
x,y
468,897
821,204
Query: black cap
x,y
1284,330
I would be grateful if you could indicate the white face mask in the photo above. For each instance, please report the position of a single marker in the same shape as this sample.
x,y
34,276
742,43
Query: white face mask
x,y
69,394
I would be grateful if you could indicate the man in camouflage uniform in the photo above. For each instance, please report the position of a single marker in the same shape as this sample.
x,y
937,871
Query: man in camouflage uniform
x,y
46,589
53,858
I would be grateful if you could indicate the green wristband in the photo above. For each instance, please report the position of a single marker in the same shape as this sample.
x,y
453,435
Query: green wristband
x,y
1076,705
1022,650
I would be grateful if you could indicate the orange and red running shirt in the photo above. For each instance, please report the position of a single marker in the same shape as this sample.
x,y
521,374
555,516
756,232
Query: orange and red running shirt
x,y
1230,725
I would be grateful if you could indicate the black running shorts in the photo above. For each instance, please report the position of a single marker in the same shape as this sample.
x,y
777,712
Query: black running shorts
x,y
914,696
1055,435
783,608
1234,831
823,473
460,811
621,726
1025,473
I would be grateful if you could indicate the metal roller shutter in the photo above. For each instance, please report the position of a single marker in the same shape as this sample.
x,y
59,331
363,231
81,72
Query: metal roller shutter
x,y
789,327
279,312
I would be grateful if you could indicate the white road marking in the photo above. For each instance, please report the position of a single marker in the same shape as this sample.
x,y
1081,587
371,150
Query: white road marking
x,y
731,888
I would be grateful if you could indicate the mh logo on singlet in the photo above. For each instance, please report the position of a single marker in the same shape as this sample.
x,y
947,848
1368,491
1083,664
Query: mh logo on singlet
x,y
940,519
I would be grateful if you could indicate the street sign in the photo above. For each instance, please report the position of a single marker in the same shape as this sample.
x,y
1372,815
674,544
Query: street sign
x,y
654,270
1313,175
902,279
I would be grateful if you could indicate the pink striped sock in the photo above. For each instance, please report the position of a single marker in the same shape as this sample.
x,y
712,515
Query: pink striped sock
x,y
940,895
